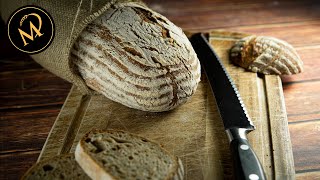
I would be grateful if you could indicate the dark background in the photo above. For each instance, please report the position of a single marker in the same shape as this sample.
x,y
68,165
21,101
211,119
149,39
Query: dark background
x,y
31,97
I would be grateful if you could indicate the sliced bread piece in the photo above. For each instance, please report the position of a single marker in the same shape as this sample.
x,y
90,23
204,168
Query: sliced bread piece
x,y
117,154
58,167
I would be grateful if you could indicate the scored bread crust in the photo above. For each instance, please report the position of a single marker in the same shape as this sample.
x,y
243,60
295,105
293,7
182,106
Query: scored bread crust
x,y
137,57
94,170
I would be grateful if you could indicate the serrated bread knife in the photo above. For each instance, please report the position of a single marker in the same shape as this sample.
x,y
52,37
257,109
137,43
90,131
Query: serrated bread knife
x,y
232,110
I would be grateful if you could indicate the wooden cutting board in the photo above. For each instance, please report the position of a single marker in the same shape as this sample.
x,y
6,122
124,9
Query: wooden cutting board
x,y
193,131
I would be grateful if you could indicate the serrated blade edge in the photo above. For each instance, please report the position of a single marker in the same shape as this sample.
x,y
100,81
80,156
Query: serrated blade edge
x,y
229,101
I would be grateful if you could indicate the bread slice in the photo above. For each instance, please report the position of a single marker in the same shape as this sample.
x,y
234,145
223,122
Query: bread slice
x,y
117,154
58,167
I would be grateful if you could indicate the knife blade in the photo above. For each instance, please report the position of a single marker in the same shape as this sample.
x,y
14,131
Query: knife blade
x,y
236,120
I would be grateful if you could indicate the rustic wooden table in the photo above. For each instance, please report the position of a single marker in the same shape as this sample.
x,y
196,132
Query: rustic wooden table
x,y
31,97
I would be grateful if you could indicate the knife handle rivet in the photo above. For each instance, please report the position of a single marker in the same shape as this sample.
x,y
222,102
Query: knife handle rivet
x,y
244,147
253,177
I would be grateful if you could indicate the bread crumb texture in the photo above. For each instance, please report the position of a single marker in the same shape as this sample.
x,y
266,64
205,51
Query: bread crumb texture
x,y
126,156
59,167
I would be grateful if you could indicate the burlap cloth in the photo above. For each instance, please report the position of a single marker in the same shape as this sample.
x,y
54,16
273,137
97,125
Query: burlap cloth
x,y
70,18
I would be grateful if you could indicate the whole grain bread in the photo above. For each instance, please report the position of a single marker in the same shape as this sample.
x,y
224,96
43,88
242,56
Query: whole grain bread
x,y
116,154
58,167
137,57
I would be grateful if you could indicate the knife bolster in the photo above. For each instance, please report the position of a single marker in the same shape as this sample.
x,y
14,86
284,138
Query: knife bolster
x,y
237,133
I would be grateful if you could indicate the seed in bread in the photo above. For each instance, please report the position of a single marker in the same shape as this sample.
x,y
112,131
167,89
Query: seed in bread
x,y
138,58
120,155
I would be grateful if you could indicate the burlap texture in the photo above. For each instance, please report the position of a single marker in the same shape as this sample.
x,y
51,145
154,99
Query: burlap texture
x,y
70,18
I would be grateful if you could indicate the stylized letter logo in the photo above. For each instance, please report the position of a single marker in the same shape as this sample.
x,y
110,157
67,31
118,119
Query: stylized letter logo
x,y
32,28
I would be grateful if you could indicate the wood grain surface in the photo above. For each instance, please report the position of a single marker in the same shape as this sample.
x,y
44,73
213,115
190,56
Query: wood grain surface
x,y
25,123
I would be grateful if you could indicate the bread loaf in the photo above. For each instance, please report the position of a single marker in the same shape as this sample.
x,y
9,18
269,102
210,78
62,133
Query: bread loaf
x,y
58,167
119,155
267,55
138,58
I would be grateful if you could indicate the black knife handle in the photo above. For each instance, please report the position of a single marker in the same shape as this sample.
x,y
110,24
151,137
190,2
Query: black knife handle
x,y
246,162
